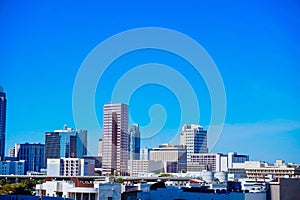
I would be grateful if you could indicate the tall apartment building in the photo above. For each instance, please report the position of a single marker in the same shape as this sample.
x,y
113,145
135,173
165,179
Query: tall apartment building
x,y
33,154
115,139
66,143
194,137
3,102
134,142
172,156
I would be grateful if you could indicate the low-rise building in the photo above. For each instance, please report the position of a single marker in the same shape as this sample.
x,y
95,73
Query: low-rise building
x,y
70,167
67,189
215,162
284,188
144,167
172,156
12,167
196,193
258,169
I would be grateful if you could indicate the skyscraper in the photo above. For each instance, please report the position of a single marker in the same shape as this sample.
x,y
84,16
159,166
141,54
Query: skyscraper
x,y
134,142
33,154
66,143
194,137
2,122
115,139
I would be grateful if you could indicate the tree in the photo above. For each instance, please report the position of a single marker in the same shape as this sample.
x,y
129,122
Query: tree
x,y
119,180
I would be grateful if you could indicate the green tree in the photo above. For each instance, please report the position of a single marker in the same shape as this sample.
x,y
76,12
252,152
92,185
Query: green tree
x,y
7,189
119,180
165,175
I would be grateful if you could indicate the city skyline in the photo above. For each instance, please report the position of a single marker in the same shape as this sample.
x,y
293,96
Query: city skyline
x,y
254,45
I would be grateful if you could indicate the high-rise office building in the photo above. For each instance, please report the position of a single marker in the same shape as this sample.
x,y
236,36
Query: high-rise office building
x,y
134,142
2,122
194,137
115,139
33,154
66,143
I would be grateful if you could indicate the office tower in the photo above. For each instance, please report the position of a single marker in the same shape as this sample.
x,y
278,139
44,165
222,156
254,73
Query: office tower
x,y
66,143
134,142
172,156
100,147
115,139
145,153
33,154
2,122
194,137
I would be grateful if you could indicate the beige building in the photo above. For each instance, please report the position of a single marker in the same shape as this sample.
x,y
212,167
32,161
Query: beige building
x,y
258,169
172,156
115,139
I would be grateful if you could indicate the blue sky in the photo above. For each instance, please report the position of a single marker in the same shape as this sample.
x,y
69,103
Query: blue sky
x,y
255,45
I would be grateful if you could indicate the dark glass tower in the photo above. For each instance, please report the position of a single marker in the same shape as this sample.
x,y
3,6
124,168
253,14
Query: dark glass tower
x,y
134,142
66,143
33,154
2,122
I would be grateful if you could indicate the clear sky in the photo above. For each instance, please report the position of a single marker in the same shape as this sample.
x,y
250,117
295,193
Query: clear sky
x,y
255,45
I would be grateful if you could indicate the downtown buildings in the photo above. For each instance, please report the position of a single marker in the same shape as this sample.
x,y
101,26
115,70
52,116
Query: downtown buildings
x,y
134,142
66,143
173,157
194,137
33,154
3,102
115,142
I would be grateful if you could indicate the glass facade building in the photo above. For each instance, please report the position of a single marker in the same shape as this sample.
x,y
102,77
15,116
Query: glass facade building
x,y
2,122
194,137
66,143
33,154
134,142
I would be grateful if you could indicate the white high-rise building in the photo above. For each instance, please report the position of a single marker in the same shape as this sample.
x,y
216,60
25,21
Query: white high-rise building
x,y
194,137
115,139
